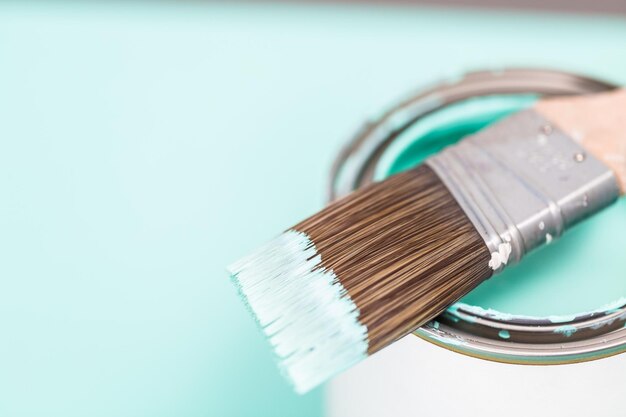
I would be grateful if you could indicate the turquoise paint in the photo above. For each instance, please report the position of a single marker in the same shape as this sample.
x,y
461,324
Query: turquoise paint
x,y
504,334
453,313
566,330
606,309
581,272
452,317
443,128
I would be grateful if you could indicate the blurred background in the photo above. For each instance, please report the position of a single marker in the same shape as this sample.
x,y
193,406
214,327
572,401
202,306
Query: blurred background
x,y
146,145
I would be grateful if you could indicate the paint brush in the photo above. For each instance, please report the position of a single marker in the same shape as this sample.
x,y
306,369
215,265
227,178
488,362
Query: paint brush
x,y
375,265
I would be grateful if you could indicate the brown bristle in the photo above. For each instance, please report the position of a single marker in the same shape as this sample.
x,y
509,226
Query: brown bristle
x,y
403,249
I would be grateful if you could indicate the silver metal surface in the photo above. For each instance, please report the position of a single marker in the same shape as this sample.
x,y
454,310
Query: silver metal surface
x,y
355,164
523,182
532,340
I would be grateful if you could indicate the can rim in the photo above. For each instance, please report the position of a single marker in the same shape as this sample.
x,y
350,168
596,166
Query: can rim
x,y
594,335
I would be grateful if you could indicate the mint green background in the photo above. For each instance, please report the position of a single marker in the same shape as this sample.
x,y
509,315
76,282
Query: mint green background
x,y
143,147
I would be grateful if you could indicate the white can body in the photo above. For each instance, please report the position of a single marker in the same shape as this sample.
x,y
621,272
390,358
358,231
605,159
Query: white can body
x,y
415,378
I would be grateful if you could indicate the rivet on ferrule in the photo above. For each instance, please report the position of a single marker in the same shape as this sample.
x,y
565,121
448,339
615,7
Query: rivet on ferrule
x,y
521,190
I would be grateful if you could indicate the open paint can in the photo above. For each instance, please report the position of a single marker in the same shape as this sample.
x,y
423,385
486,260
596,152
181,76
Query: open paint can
x,y
566,302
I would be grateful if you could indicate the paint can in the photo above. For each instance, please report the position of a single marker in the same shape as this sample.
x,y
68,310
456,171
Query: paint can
x,y
563,305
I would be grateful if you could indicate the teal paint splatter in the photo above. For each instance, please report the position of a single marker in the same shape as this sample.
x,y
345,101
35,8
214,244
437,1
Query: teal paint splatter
x,y
567,330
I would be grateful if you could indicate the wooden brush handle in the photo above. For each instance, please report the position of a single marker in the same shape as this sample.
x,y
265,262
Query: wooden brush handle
x,y
597,122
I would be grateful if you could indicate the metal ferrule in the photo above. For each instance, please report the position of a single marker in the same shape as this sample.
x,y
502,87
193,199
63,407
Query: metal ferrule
x,y
522,182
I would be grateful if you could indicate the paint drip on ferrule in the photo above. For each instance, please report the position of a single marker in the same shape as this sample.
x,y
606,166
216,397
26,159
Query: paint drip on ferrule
x,y
521,184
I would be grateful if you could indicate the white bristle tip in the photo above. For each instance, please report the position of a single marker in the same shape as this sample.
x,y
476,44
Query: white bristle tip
x,y
303,309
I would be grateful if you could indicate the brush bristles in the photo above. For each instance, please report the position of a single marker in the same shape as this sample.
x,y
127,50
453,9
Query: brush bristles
x,y
403,249
365,271
302,308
